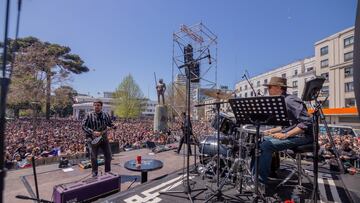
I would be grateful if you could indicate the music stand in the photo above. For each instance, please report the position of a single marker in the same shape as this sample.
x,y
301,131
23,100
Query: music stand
x,y
267,110
311,93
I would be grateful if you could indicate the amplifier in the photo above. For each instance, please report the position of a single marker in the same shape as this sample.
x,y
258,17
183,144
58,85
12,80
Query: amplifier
x,y
86,190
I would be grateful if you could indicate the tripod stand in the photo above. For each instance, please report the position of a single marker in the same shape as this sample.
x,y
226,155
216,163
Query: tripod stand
x,y
259,111
188,190
311,93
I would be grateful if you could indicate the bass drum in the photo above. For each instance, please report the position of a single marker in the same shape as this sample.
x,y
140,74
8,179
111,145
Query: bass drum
x,y
208,148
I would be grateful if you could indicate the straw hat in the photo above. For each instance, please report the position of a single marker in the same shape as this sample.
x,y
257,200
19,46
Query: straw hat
x,y
277,81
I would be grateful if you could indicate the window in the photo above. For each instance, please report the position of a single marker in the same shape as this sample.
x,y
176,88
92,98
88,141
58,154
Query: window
x,y
348,71
348,119
258,83
245,94
348,41
350,102
309,69
265,81
295,84
252,93
296,72
240,88
245,87
324,51
295,93
326,104
283,75
348,56
325,90
240,95
265,91
324,63
349,87
326,76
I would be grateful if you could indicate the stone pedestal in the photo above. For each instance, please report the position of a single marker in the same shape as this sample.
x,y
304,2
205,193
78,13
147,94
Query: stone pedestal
x,y
160,118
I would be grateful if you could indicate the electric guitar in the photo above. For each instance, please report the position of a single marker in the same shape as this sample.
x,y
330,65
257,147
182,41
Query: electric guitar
x,y
97,140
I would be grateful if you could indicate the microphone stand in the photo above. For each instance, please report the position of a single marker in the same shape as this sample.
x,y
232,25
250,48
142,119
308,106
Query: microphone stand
x,y
34,199
244,76
4,90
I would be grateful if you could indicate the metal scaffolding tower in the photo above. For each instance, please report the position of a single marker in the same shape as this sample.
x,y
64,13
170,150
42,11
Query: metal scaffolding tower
x,y
203,42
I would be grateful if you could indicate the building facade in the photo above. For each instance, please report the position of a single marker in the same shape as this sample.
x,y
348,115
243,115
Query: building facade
x,y
297,73
333,60
84,104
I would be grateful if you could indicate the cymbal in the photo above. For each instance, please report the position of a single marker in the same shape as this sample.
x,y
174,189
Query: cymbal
x,y
217,93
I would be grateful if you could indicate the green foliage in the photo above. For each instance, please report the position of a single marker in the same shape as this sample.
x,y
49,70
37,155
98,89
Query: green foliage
x,y
37,66
63,100
128,99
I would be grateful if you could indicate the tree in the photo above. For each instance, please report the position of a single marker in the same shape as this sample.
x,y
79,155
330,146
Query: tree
x,y
63,100
128,99
25,86
51,62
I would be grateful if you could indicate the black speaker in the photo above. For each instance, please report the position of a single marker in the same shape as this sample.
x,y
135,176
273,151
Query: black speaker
x,y
150,145
194,72
188,54
356,59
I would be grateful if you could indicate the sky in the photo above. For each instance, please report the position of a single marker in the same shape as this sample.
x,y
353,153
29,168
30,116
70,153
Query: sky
x,y
120,37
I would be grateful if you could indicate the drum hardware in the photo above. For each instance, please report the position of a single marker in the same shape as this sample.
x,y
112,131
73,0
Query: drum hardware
x,y
218,194
259,111
218,94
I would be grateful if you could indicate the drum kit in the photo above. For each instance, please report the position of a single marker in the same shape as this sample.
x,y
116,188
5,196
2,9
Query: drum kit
x,y
231,148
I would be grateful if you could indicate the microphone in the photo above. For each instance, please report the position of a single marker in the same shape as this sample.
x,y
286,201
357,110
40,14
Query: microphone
x,y
209,56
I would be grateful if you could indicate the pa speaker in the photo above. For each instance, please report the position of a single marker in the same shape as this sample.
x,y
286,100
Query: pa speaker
x,y
194,72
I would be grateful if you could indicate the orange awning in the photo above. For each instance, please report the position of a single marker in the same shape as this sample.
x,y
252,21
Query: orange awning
x,y
339,111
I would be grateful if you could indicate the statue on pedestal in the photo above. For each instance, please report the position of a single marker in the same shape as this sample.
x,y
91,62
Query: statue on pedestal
x,y
160,89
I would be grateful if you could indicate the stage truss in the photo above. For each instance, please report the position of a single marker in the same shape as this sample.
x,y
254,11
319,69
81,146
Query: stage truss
x,y
203,41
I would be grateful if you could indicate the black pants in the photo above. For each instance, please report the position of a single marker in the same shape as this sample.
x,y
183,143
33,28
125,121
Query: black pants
x,y
105,146
182,141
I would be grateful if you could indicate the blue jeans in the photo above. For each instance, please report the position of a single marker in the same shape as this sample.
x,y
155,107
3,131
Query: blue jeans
x,y
270,145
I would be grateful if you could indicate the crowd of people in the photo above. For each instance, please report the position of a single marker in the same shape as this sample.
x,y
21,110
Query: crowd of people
x,y
27,137
347,146
42,138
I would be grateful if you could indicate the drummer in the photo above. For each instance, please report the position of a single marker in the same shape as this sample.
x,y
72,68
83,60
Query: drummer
x,y
298,133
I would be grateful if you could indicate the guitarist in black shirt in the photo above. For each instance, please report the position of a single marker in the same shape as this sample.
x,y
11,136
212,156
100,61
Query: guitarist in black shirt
x,y
95,125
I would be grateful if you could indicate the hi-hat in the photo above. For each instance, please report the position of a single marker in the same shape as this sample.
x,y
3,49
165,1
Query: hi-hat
x,y
217,93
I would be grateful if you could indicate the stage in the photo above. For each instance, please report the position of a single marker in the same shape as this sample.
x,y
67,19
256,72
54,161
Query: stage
x,y
331,185
21,182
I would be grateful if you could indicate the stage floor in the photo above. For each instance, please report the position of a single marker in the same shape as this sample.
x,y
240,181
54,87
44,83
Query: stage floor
x,y
21,182
17,182
330,186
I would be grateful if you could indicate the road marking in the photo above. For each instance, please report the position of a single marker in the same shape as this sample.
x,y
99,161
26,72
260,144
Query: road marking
x,y
151,195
